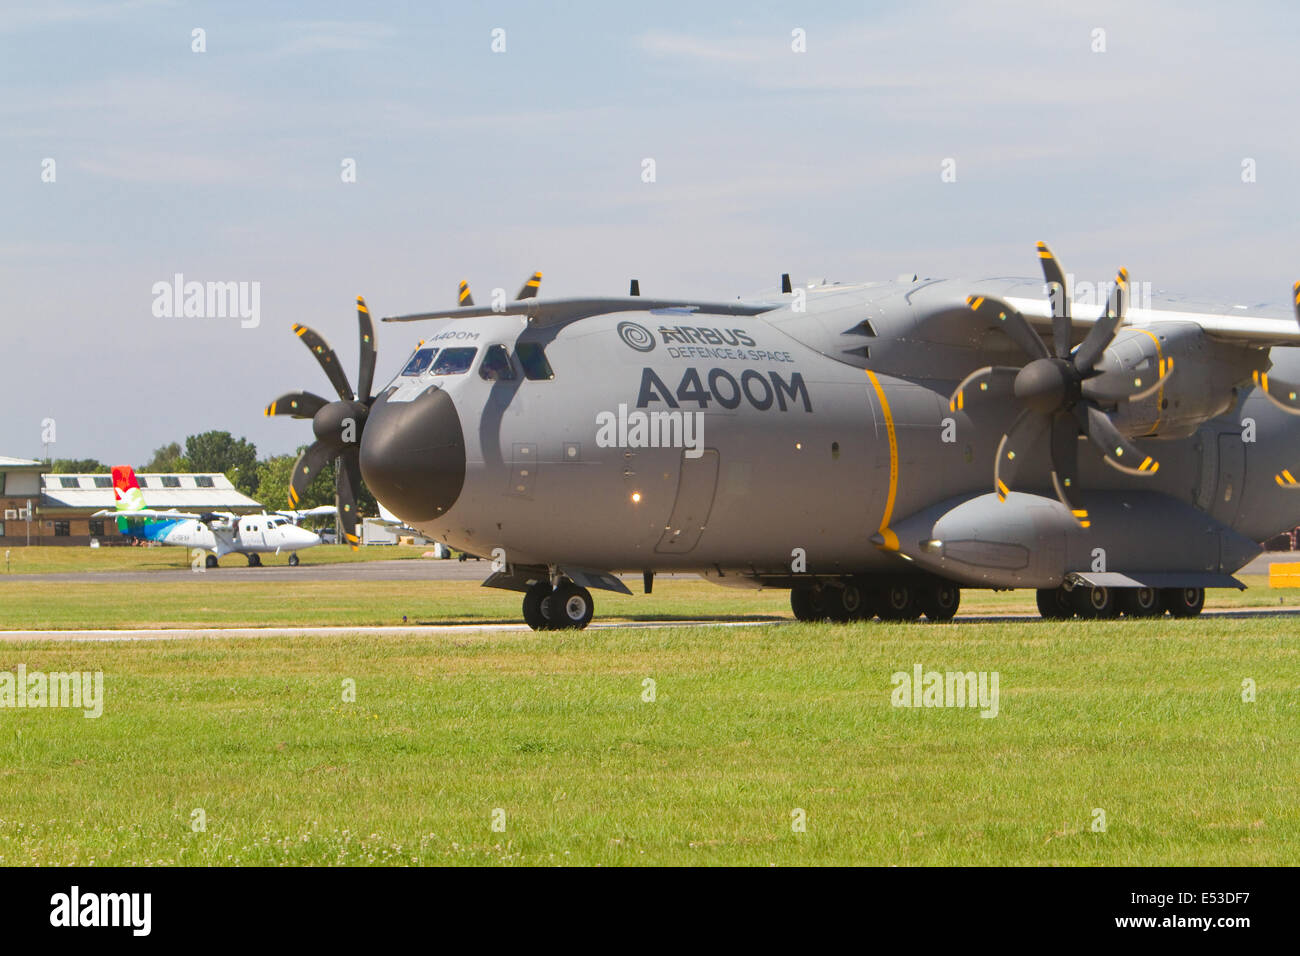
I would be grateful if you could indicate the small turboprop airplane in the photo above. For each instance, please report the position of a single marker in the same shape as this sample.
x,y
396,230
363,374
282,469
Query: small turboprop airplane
x,y
221,533
872,447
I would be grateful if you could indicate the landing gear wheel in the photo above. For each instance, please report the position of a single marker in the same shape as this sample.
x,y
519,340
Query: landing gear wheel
x,y
293,560
1184,602
808,603
939,601
1141,602
848,603
1096,603
898,603
1055,604
254,560
210,561
536,603
569,607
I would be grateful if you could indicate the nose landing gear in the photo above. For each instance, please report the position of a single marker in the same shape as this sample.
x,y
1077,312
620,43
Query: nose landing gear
x,y
566,607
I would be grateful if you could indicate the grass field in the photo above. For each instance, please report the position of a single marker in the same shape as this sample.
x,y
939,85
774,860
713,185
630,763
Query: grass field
x,y
1145,722
53,560
1142,720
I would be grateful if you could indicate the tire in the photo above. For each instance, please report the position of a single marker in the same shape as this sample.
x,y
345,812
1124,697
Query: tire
x,y
939,601
569,607
808,603
852,602
1141,602
1054,604
1184,602
254,560
1096,603
293,560
536,600
898,603
210,561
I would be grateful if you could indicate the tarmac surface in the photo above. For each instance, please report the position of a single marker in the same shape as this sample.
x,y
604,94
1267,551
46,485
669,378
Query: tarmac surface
x,y
405,569
419,629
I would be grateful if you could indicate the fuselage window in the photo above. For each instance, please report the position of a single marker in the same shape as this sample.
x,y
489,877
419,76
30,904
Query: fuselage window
x,y
496,365
419,361
533,359
454,361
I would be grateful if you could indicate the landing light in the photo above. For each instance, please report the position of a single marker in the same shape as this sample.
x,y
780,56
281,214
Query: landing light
x,y
636,497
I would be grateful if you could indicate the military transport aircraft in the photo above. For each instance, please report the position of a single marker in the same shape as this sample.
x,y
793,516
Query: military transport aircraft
x,y
872,447
219,532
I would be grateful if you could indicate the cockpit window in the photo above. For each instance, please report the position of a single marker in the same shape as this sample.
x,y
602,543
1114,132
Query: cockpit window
x,y
419,361
496,365
533,359
454,361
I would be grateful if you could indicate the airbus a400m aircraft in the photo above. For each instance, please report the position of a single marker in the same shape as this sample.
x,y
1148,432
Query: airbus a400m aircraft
x,y
872,447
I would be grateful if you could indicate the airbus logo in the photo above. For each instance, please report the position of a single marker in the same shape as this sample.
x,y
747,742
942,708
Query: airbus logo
x,y
636,336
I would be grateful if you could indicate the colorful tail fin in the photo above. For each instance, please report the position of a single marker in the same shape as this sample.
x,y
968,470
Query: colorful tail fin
x,y
127,493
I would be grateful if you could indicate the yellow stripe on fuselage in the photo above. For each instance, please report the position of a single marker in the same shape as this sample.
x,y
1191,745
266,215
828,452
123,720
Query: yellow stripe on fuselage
x,y
891,539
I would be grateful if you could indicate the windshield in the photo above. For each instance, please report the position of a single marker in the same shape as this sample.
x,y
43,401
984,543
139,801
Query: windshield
x,y
454,361
419,361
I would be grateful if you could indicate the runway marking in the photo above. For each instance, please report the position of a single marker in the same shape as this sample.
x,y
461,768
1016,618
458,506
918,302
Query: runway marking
x,y
208,633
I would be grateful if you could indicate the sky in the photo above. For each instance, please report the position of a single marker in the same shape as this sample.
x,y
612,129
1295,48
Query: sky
x,y
1121,134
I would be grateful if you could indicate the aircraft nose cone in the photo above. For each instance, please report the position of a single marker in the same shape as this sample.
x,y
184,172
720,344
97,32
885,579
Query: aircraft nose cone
x,y
413,455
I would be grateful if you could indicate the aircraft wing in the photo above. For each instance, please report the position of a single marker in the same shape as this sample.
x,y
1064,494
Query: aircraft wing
x,y
547,312
1241,328
146,513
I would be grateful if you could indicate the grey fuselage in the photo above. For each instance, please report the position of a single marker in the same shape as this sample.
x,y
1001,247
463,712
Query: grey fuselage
x,y
823,430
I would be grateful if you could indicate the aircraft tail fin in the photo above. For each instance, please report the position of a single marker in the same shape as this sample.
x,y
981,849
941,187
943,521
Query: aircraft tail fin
x,y
127,493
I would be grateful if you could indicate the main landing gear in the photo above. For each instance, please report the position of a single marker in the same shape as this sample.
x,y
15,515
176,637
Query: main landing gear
x,y
861,599
566,607
254,560
1058,604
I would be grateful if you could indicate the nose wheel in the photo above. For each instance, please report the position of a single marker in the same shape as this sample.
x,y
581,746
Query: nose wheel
x,y
567,607
293,560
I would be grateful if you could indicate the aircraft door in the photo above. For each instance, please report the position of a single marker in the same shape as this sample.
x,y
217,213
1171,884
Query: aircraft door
x,y
690,516
251,534
1231,478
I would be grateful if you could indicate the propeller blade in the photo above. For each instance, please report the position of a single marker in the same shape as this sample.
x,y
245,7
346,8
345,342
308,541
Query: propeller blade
x,y
1014,448
464,298
309,464
529,289
1129,386
327,359
366,373
1011,322
993,381
1065,463
1119,452
1100,335
1282,394
296,405
1060,297
346,482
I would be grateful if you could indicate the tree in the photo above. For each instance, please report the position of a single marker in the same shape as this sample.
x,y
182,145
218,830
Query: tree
x,y
220,451
274,474
77,466
166,458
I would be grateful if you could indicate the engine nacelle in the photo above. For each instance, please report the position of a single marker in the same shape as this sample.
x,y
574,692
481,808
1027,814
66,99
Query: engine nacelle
x,y
1203,383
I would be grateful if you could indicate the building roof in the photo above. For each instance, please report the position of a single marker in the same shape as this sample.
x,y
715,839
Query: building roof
x,y
19,462
185,492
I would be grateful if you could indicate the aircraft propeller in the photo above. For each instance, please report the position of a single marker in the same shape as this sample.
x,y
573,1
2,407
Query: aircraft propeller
x,y
1061,391
336,424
